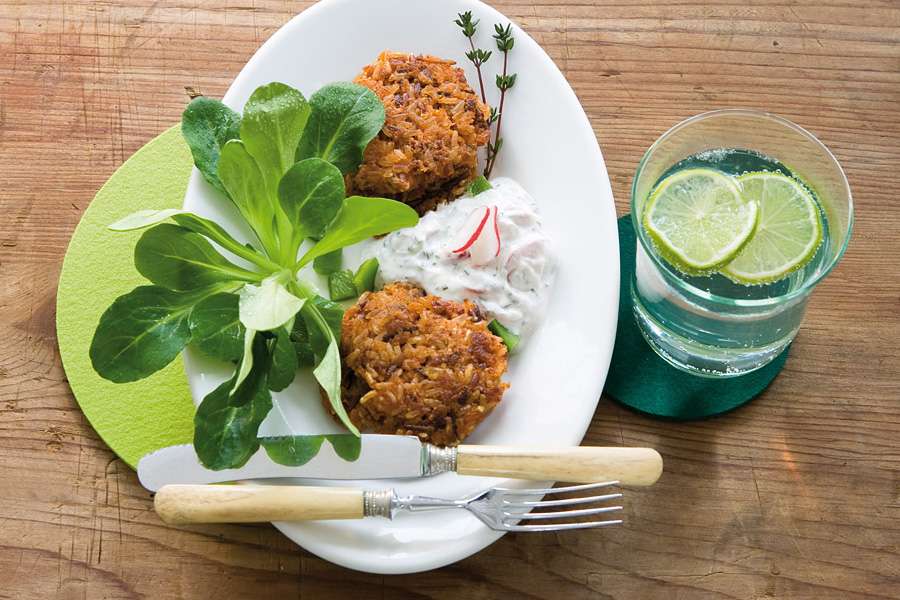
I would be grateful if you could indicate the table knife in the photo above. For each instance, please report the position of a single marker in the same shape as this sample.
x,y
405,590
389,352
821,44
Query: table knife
x,y
396,456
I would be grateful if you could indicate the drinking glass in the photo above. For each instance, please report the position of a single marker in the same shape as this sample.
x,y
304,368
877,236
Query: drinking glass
x,y
710,326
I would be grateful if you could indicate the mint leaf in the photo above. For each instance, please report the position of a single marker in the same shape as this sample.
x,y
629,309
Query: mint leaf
x,y
344,119
207,125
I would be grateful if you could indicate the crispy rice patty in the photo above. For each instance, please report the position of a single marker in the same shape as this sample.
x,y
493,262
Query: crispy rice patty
x,y
419,365
427,150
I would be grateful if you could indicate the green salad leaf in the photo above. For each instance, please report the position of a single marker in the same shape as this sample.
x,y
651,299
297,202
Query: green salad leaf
x,y
269,305
143,218
179,259
206,126
246,185
216,233
328,374
274,118
297,450
292,450
215,327
284,361
359,219
227,421
282,164
311,193
141,332
246,364
344,119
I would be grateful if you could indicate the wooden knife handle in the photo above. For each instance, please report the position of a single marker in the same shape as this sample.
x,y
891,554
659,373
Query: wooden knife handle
x,y
578,464
183,504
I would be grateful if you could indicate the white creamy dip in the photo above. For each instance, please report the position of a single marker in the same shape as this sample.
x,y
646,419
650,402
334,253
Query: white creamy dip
x,y
512,287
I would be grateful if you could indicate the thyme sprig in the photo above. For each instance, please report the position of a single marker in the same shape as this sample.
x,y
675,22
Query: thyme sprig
x,y
476,55
505,41
504,82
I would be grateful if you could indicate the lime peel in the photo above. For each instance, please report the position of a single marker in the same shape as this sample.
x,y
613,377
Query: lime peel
x,y
789,233
699,219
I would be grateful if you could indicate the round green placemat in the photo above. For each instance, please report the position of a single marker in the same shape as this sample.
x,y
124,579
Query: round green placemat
x,y
641,380
132,418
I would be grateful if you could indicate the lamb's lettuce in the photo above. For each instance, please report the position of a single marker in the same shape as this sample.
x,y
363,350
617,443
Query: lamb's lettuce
x,y
179,259
284,360
207,125
227,422
296,450
282,164
269,305
345,117
142,332
359,219
216,328
311,193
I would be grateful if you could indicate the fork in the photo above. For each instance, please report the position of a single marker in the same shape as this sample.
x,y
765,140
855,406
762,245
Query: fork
x,y
501,509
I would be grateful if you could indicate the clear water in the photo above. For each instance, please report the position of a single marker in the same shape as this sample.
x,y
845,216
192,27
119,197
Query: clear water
x,y
701,333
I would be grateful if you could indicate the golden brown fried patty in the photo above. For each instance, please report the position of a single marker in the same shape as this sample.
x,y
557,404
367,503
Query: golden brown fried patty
x,y
419,365
427,150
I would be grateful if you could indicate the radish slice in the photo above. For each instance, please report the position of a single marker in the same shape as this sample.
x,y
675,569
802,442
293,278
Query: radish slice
x,y
496,231
482,239
475,223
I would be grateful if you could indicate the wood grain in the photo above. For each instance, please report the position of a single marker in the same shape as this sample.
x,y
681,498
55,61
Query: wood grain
x,y
795,496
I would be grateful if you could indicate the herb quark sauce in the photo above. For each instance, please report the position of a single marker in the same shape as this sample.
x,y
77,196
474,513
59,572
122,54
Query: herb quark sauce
x,y
512,287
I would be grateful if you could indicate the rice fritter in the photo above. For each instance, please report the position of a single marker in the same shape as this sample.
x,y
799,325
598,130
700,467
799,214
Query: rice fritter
x,y
415,364
427,150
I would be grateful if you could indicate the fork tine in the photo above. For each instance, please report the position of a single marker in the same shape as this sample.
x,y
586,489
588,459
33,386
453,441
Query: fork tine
x,y
559,490
562,514
562,502
587,525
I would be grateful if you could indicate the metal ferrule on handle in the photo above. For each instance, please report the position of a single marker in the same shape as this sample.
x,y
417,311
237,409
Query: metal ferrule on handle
x,y
436,460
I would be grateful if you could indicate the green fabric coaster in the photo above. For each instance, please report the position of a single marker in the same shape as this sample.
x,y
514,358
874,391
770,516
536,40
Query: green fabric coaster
x,y
132,418
641,380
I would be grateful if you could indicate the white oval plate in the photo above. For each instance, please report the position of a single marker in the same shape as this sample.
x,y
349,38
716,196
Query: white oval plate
x,y
551,150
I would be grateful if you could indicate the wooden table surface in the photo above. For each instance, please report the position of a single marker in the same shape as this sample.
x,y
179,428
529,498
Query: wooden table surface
x,y
795,496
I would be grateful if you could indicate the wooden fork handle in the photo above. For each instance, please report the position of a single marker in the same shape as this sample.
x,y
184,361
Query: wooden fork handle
x,y
579,464
183,504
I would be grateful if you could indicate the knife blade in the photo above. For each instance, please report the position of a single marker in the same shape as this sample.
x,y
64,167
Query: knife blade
x,y
381,457
395,456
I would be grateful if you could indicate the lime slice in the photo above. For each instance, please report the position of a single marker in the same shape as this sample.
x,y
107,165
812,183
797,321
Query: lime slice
x,y
788,234
699,220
